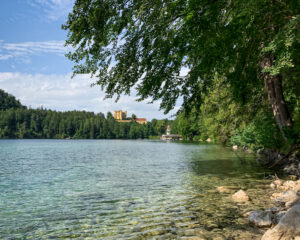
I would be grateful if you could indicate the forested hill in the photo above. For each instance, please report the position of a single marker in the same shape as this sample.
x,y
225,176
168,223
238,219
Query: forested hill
x,y
16,121
9,101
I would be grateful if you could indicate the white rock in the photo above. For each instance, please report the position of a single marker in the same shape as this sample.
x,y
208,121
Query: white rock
x,y
297,186
275,195
278,183
235,147
288,227
289,185
240,196
261,218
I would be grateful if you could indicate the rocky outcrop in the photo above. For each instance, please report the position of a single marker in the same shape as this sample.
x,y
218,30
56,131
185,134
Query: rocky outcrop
x,y
287,199
278,216
261,218
285,213
240,196
290,163
288,227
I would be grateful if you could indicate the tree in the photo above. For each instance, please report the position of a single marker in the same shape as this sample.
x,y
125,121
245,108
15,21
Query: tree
x,y
133,117
8,101
145,45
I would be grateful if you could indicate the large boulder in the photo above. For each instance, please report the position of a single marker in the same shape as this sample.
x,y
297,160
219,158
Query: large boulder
x,y
288,198
240,196
261,218
278,216
288,227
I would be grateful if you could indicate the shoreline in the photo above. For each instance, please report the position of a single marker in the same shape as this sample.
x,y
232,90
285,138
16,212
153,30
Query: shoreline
x,y
270,214
276,216
282,220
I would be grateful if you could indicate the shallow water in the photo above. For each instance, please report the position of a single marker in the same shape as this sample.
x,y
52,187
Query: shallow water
x,y
123,189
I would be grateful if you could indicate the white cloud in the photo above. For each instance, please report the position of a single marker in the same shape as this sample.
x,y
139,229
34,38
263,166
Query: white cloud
x,y
26,49
54,9
60,92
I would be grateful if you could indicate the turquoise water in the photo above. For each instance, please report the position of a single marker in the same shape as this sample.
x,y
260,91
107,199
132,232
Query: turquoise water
x,y
121,189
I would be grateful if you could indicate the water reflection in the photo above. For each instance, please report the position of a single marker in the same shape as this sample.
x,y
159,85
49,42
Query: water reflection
x,y
223,162
123,190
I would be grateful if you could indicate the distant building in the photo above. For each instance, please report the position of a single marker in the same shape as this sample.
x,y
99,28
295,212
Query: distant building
x,y
141,120
169,136
121,116
168,132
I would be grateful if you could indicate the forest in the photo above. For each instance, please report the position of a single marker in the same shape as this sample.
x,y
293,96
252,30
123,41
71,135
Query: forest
x,y
241,61
233,65
17,121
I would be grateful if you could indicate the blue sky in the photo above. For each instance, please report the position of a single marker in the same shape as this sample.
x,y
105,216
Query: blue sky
x,y
33,66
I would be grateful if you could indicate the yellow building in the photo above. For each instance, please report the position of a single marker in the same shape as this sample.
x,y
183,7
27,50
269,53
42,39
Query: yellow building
x,y
141,120
121,116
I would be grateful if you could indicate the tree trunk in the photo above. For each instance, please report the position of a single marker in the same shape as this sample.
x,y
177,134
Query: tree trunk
x,y
273,85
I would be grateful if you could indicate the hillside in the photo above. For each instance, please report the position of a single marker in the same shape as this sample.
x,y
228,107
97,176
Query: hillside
x,y
8,101
16,121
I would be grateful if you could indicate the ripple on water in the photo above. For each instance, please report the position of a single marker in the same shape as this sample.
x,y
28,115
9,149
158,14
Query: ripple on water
x,y
52,189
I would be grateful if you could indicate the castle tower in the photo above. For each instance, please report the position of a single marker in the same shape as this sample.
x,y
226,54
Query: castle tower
x,y
168,132
124,114
119,115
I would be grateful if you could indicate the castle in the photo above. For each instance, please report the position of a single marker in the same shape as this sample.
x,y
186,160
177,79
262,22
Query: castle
x,y
121,116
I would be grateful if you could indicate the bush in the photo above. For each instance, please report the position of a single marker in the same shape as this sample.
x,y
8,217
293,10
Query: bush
x,y
261,132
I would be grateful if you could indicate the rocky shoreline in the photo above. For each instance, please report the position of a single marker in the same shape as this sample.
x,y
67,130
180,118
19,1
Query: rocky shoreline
x,y
284,216
289,164
279,220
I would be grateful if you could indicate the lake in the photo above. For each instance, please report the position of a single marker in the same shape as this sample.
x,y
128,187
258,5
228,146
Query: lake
x,y
124,189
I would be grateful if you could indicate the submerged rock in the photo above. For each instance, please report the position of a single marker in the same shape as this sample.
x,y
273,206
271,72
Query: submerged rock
x,y
240,196
223,189
192,238
260,218
287,228
272,185
262,161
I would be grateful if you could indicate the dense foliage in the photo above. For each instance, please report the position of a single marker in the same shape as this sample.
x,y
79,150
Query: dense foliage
x,y
223,120
251,47
41,123
8,101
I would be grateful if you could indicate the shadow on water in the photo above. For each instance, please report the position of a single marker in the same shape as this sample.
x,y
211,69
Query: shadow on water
x,y
222,162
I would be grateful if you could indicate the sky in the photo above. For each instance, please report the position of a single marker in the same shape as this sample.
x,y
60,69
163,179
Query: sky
x,y
34,69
